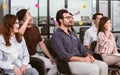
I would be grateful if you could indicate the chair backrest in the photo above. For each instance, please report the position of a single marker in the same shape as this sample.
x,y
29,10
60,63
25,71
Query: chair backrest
x,y
38,64
44,30
47,43
93,45
2,71
62,65
82,32
92,49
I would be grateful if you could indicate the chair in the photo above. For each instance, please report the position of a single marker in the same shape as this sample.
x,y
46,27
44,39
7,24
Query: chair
x,y
113,69
38,64
82,32
2,71
62,65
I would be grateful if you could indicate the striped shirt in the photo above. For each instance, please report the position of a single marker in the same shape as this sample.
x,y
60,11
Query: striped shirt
x,y
106,45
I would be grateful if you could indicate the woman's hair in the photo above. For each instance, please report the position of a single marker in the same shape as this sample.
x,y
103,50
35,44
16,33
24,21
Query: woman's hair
x,y
7,24
102,22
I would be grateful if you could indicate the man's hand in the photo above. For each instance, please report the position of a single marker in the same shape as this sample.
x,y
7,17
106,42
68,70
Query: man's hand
x,y
92,58
86,59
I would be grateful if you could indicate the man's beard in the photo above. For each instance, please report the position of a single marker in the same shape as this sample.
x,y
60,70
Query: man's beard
x,y
70,24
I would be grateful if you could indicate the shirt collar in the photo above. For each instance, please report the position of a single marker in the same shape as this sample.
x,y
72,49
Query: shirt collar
x,y
95,29
61,30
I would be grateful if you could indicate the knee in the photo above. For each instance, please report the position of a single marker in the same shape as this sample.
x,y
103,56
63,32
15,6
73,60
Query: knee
x,y
34,71
31,71
95,68
53,68
104,66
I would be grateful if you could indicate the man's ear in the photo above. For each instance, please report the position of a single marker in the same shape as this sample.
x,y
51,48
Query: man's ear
x,y
60,20
93,19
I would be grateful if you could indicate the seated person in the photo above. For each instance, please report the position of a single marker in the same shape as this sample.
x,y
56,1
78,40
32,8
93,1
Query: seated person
x,y
91,33
67,46
14,56
32,37
106,45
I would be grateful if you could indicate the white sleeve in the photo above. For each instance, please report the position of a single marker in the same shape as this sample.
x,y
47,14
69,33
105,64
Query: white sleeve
x,y
26,53
4,64
86,38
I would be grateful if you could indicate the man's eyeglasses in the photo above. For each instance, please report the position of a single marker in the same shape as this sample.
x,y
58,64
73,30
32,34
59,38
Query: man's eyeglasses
x,y
68,17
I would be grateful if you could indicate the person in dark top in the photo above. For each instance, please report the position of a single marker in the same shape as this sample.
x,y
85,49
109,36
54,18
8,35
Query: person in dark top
x,y
68,47
33,38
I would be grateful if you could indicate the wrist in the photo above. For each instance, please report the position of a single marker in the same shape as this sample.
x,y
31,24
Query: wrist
x,y
24,65
50,57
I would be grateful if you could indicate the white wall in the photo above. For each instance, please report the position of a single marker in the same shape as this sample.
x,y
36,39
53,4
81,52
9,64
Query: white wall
x,y
16,5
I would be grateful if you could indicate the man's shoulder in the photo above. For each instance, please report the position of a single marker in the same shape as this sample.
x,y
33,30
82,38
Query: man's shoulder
x,y
92,28
34,26
1,38
56,32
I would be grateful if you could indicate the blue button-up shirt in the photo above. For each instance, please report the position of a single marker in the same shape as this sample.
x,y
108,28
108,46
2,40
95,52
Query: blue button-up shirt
x,y
66,46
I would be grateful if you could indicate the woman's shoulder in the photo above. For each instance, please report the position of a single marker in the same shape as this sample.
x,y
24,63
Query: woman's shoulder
x,y
2,41
1,38
101,33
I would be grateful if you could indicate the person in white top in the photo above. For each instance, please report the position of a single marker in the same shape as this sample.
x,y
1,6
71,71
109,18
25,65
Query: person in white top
x,y
14,56
91,33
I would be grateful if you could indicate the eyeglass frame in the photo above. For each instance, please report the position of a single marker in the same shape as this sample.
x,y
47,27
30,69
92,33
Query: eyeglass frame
x,y
68,17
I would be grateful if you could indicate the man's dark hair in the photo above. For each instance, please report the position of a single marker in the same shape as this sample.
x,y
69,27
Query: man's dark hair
x,y
21,14
95,15
70,13
59,15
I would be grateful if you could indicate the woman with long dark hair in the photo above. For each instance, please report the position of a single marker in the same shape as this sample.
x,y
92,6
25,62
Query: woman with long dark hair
x,y
106,45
